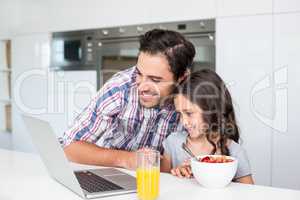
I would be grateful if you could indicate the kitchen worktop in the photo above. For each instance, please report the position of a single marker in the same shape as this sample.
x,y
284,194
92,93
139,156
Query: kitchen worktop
x,y
23,176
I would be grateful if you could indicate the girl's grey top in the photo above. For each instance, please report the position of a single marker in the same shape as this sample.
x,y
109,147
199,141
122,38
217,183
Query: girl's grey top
x,y
173,147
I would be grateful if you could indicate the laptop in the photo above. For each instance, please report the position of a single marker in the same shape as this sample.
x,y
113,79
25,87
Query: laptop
x,y
91,183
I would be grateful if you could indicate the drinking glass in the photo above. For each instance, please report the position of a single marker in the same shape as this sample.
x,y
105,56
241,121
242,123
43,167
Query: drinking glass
x,y
147,174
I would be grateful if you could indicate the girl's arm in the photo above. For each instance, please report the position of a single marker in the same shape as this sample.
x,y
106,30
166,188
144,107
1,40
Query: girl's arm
x,y
165,163
246,179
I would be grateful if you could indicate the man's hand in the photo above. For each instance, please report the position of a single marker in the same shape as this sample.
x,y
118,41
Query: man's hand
x,y
129,161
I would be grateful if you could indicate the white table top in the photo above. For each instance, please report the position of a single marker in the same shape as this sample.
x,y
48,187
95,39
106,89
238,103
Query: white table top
x,y
23,176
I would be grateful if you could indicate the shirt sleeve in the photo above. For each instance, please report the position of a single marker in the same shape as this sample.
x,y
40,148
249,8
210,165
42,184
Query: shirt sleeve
x,y
172,147
97,117
244,168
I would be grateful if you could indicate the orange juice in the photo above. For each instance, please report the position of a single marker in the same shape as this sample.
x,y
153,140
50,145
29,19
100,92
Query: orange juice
x,y
148,183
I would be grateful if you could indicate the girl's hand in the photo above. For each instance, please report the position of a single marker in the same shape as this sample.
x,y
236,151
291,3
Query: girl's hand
x,y
183,171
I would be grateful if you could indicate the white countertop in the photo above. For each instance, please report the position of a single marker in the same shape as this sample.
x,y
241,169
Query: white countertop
x,y
23,176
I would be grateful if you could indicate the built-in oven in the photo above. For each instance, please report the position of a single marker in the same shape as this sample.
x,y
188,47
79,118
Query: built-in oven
x,y
110,50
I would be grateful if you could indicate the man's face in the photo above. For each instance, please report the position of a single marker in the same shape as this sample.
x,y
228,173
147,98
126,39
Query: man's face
x,y
154,78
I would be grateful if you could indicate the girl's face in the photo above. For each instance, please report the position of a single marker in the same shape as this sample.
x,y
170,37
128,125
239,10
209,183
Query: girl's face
x,y
190,116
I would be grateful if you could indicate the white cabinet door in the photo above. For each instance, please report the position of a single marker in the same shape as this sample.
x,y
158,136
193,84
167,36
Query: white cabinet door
x,y
31,51
243,7
116,12
30,60
168,10
286,6
244,59
286,139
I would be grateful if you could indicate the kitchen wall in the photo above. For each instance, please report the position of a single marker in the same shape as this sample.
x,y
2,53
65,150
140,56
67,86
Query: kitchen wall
x,y
256,55
9,17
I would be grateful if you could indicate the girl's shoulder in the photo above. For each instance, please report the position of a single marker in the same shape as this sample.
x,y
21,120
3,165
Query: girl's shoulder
x,y
176,137
234,147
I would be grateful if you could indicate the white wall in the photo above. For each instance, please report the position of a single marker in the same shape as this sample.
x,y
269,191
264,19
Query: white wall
x,y
8,17
247,33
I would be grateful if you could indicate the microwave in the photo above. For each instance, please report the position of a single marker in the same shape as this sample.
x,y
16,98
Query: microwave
x,y
73,51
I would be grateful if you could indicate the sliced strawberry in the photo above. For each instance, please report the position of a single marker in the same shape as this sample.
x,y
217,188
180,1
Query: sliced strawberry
x,y
205,159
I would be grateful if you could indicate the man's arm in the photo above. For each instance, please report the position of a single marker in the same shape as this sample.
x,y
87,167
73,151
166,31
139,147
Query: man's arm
x,y
96,119
91,154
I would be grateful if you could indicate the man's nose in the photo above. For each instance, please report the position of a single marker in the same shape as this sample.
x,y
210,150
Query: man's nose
x,y
144,84
143,87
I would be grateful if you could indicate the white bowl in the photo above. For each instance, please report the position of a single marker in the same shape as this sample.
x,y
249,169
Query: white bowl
x,y
214,175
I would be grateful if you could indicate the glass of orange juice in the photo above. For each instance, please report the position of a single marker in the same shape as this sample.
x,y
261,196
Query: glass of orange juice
x,y
147,174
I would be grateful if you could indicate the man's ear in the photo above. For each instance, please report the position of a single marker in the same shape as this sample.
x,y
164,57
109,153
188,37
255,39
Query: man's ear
x,y
184,76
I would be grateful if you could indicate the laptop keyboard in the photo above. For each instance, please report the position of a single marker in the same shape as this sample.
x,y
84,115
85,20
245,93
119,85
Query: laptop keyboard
x,y
94,183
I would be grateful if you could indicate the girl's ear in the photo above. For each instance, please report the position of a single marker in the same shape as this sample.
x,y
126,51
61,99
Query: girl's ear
x,y
184,76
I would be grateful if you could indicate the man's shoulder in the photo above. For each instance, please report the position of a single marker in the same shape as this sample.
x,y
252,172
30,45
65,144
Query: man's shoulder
x,y
114,89
122,79
119,82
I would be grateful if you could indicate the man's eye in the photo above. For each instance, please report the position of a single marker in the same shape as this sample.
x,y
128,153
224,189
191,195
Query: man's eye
x,y
189,113
155,80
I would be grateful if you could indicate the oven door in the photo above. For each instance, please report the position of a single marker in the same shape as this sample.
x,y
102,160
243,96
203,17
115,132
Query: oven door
x,y
115,55
205,51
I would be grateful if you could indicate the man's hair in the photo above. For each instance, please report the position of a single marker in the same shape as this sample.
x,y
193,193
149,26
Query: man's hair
x,y
178,51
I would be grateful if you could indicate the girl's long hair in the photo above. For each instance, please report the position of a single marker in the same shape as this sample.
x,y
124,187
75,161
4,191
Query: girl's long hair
x,y
206,89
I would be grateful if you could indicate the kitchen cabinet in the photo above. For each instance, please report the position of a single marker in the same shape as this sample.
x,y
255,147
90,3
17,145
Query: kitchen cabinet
x,y
286,137
180,10
30,54
286,6
244,61
244,7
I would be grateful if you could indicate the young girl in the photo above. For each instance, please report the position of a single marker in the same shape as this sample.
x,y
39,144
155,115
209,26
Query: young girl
x,y
207,114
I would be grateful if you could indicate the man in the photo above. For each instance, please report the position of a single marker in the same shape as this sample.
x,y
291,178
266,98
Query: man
x,y
132,111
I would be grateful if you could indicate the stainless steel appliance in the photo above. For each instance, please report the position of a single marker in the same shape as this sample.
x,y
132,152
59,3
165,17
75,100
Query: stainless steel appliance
x,y
73,50
109,50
